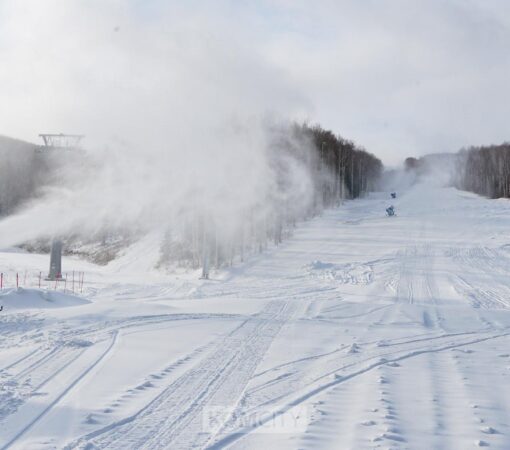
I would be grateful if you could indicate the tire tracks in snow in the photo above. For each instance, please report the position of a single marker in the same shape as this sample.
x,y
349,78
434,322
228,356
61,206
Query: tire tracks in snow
x,y
297,376
335,379
174,418
61,395
491,269
16,388
25,377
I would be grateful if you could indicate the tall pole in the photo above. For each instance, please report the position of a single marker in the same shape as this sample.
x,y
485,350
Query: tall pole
x,y
205,254
342,185
352,176
55,260
321,175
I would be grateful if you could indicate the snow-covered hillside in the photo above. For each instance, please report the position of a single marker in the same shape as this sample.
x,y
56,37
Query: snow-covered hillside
x,y
359,332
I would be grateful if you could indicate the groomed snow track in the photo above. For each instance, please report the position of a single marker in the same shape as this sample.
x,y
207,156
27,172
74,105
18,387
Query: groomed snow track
x,y
174,419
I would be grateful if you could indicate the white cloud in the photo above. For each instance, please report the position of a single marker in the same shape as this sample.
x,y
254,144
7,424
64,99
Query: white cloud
x,y
400,77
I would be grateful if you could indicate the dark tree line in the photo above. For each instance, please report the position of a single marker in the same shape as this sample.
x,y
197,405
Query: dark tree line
x,y
485,170
20,173
26,171
350,170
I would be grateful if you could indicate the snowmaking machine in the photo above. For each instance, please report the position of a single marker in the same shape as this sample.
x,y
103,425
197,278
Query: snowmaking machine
x,y
390,211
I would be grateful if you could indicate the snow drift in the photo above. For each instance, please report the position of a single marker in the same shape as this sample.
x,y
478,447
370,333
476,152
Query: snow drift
x,y
37,299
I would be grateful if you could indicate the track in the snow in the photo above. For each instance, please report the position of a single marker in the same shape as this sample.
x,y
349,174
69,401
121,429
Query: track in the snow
x,y
174,418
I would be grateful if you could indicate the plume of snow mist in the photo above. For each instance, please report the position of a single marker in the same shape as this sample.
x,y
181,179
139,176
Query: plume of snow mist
x,y
175,114
234,178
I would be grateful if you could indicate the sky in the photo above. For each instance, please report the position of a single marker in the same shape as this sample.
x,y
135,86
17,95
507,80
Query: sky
x,y
399,77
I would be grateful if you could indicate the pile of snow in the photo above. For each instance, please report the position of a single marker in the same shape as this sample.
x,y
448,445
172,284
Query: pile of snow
x,y
12,250
343,273
319,265
37,299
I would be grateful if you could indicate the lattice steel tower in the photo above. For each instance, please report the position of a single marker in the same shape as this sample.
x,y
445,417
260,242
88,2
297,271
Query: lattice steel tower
x,y
61,143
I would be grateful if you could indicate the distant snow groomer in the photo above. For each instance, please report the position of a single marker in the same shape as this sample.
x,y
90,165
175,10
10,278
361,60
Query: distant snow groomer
x,y
393,195
390,210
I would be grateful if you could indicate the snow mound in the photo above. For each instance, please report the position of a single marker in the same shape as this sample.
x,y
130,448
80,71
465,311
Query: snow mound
x,y
79,343
343,273
319,265
37,299
12,250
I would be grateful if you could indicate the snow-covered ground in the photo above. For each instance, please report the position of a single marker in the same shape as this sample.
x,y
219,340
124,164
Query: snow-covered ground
x,y
361,331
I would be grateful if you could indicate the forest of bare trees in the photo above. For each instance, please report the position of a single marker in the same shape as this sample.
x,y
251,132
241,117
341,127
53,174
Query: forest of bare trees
x,y
353,171
485,170
20,173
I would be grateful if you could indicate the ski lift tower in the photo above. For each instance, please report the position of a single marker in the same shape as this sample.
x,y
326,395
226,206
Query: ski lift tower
x,y
62,142
59,145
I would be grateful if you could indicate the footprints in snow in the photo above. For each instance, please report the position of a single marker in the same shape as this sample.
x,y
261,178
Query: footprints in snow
x,y
461,357
391,431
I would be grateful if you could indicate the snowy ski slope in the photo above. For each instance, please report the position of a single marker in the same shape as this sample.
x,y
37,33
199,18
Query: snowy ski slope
x,y
360,332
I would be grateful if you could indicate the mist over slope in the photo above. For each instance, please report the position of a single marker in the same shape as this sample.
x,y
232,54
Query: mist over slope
x,y
248,187
484,170
190,132
19,173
